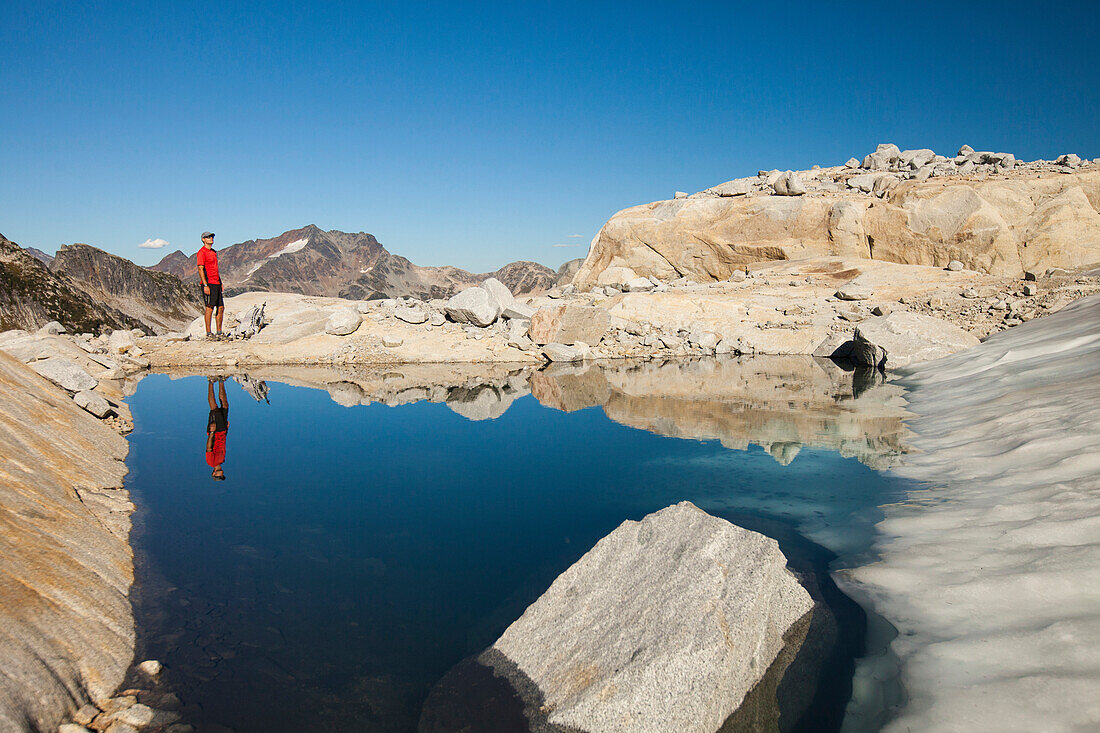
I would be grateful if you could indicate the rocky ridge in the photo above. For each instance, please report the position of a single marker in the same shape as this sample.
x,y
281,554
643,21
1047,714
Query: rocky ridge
x,y
355,266
31,295
989,211
159,300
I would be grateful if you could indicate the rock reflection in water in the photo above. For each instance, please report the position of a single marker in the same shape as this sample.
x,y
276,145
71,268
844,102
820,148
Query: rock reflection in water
x,y
781,403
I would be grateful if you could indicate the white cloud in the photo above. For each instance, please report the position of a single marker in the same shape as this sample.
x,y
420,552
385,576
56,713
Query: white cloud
x,y
575,236
153,243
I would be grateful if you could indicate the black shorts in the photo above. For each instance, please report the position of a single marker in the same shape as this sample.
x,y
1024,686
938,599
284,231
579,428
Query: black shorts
x,y
214,299
219,418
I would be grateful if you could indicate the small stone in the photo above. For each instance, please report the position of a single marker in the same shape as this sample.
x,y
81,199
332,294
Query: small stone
x,y
965,150
955,266
881,310
1030,289
71,728
119,727
852,163
151,667
680,195
518,311
850,316
114,704
853,293
970,293
392,342
562,352
737,276
1030,275
137,715
86,714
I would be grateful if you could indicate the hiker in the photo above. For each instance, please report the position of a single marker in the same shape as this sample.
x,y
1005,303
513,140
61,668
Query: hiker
x,y
217,425
207,260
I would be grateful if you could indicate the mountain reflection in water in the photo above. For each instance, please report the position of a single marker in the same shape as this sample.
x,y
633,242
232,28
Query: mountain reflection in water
x,y
355,556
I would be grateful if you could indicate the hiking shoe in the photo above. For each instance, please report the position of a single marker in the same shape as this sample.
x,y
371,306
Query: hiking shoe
x,y
210,337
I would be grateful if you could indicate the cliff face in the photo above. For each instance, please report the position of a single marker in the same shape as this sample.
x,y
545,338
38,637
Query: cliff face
x,y
158,299
992,218
31,295
311,261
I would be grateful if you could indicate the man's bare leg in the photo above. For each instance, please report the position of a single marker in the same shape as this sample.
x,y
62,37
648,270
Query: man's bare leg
x,y
206,316
221,313
210,394
221,393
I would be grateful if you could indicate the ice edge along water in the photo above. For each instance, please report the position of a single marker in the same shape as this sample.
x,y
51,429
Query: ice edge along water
x,y
991,574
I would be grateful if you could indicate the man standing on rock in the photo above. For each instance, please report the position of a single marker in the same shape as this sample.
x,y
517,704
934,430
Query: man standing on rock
x,y
217,427
211,284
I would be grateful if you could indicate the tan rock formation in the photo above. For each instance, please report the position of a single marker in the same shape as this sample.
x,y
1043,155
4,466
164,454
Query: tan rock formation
x,y
1002,225
66,626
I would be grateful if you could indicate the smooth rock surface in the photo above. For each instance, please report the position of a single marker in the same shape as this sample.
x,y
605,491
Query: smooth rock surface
x,y
66,625
665,625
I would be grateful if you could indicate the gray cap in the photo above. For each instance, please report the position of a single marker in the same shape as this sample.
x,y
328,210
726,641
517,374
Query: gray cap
x,y
207,234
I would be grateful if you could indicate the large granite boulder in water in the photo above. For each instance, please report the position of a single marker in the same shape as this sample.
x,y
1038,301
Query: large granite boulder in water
x,y
665,625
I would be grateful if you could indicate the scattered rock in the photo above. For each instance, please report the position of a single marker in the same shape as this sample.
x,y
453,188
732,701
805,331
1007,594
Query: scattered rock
x,y
93,403
437,319
881,310
970,293
1030,289
853,293
410,314
72,728
151,667
1031,275
680,195
64,374
392,342
499,294
955,266
578,351
86,714
343,322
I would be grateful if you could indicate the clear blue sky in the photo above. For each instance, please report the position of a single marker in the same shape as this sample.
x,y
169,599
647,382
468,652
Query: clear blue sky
x,y
475,134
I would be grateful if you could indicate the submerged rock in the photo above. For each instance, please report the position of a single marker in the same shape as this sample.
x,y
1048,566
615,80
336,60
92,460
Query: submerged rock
x,y
666,624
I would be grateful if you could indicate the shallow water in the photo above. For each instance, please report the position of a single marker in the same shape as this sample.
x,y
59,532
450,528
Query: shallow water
x,y
364,543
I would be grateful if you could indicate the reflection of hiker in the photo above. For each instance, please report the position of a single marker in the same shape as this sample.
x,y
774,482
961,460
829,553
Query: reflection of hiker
x,y
207,260
217,425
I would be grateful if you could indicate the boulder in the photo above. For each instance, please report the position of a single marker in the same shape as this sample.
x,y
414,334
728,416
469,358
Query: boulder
x,y
853,292
955,266
518,311
737,187
498,293
410,314
852,163
566,324
343,322
64,374
638,285
120,341
864,353
886,155
474,306
907,338
53,328
93,403
667,622
917,158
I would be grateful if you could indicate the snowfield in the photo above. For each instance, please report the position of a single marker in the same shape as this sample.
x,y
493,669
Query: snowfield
x,y
991,575
295,246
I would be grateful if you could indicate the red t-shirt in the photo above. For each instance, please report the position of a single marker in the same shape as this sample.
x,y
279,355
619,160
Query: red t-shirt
x,y
208,260
216,457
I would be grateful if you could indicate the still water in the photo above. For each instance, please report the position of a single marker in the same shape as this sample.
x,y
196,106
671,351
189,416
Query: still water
x,y
374,529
